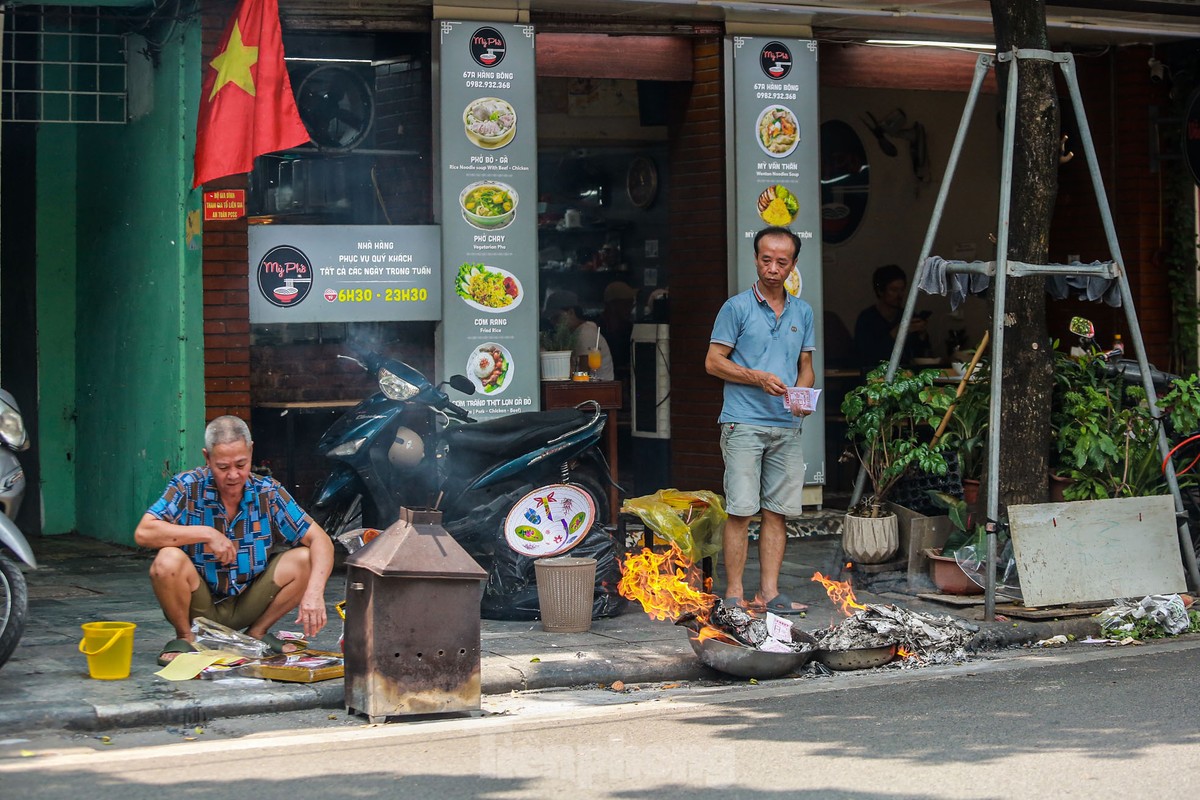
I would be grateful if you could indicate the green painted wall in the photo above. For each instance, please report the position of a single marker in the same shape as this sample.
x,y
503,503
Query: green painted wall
x,y
56,315
139,341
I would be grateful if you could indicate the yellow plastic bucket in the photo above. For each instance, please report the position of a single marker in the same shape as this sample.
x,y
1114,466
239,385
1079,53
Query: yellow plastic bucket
x,y
109,649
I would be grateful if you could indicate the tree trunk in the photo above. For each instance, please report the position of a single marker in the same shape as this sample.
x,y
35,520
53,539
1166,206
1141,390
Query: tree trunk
x,y
1028,364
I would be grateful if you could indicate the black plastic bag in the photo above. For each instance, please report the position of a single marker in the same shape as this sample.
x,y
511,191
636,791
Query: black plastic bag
x,y
511,589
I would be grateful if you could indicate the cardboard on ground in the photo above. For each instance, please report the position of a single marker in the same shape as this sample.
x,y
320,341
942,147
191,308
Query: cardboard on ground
x,y
1092,550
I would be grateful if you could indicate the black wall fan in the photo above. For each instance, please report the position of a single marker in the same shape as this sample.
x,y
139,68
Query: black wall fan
x,y
337,107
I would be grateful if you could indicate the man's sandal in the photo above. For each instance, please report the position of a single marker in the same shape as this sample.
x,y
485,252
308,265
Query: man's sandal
x,y
174,648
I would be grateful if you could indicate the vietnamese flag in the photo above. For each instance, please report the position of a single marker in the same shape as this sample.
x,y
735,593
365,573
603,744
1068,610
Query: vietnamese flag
x,y
246,103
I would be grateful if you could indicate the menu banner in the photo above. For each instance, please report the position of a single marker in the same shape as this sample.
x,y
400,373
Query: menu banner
x,y
345,273
489,213
777,163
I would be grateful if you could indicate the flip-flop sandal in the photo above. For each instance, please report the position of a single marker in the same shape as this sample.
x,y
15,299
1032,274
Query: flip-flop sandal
x,y
782,605
284,646
735,601
174,648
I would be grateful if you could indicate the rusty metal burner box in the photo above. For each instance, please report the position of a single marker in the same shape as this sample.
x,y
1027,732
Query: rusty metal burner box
x,y
412,622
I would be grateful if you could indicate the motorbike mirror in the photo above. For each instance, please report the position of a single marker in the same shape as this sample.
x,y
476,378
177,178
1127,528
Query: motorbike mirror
x,y
462,383
1083,327
355,360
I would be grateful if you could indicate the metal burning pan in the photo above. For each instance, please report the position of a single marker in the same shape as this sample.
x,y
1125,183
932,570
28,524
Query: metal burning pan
x,y
858,657
746,662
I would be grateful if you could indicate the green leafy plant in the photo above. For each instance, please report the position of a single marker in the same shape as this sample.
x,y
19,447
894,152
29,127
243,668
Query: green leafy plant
x,y
968,527
560,337
889,426
1105,438
969,425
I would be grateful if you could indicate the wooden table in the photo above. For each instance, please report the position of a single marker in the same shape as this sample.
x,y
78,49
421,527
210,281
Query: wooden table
x,y
289,410
568,394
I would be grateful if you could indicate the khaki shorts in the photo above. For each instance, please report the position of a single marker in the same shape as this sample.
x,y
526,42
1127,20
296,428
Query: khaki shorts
x,y
241,610
764,469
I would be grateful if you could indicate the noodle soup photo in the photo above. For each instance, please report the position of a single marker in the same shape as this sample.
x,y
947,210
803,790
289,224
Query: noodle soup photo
x,y
490,122
488,205
778,131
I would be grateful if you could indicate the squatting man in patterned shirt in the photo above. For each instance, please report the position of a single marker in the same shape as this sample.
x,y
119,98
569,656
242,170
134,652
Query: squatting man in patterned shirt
x,y
234,547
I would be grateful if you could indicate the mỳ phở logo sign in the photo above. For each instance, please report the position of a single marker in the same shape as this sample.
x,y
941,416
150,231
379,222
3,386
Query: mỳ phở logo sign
x,y
487,47
776,60
284,276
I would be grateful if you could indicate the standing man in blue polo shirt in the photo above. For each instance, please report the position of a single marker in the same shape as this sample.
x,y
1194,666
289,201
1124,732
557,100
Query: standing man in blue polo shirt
x,y
762,342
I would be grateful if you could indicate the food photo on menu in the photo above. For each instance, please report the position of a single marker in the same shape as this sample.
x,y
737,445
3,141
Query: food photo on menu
x,y
778,131
488,205
778,206
487,288
490,368
490,122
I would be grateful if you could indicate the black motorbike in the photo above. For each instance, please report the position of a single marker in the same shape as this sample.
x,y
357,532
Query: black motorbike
x,y
411,446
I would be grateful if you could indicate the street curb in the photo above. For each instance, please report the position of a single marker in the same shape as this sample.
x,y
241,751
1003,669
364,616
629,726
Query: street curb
x,y
1001,635
499,678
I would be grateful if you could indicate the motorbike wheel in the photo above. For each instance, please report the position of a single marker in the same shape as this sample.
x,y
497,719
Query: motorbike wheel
x,y
14,603
343,517
596,486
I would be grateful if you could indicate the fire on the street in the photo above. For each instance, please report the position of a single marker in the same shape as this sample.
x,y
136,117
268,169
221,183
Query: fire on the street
x,y
841,594
659,582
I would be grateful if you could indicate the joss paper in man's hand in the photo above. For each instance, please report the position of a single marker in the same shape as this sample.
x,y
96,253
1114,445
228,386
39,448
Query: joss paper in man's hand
x,y
802,397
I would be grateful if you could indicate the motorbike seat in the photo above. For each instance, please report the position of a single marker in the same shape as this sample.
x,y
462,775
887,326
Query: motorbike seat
x,y
479,444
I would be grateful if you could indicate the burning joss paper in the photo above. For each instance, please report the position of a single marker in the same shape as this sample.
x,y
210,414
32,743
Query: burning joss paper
x,y
659,582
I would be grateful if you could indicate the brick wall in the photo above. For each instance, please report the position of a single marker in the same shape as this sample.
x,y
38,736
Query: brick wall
x,y
699,285
226,302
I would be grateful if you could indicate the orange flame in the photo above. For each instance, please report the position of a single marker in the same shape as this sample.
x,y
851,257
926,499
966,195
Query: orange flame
x,y
903,653
840,593
659,583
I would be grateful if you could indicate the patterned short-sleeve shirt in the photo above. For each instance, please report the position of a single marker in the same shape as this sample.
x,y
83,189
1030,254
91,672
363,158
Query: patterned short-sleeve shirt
x,y
268,518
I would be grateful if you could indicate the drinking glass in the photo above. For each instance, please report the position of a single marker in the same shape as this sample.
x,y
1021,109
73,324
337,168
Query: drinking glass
x,y
593,361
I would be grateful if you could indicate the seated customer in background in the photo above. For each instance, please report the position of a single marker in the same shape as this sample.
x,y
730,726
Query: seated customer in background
x,y
562,308
877,326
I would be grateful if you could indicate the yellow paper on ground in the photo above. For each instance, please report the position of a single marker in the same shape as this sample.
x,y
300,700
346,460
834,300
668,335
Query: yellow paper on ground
x,y
186,666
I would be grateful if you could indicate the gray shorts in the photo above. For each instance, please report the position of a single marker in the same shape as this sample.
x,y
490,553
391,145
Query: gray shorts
x,y
764,468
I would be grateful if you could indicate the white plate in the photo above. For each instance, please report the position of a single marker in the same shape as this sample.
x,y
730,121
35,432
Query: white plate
x,y
549,521
794,283
758,122
503,273
473,360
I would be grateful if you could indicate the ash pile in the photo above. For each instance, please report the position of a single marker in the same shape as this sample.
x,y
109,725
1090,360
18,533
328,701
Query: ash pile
x,y
923,638
775,635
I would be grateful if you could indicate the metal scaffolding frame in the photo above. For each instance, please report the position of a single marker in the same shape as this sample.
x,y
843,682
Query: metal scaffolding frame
x,y
1003,268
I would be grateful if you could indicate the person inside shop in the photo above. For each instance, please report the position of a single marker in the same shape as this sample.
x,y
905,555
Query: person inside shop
x,y
234,547
762,342
562,308
878,324
617,322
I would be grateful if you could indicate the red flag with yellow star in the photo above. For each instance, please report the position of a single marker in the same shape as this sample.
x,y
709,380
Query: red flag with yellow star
x,y
246,103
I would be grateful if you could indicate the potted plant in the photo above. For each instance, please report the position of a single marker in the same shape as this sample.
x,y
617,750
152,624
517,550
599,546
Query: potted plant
x,y
945,562
889,426
1105,438
556,346
968,430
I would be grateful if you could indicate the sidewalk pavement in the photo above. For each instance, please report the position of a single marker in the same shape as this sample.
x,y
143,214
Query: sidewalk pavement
x,y
46,684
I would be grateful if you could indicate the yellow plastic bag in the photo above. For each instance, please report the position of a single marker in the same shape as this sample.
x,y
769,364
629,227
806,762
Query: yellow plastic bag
x,y
693,521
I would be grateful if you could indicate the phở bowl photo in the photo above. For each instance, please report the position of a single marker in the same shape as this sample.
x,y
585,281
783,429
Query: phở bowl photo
x,y
488,204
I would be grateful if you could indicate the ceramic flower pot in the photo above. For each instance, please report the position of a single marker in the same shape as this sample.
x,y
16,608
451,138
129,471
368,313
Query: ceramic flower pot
x,y
870,540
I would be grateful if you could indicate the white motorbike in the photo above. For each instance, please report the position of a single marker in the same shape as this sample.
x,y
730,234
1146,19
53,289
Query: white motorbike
x,y
14,599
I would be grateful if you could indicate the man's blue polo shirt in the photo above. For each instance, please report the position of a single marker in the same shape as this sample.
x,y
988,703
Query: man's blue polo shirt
x,y
760,341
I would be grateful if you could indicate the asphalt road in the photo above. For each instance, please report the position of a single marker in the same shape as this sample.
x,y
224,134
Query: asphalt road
x,y
1079,721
